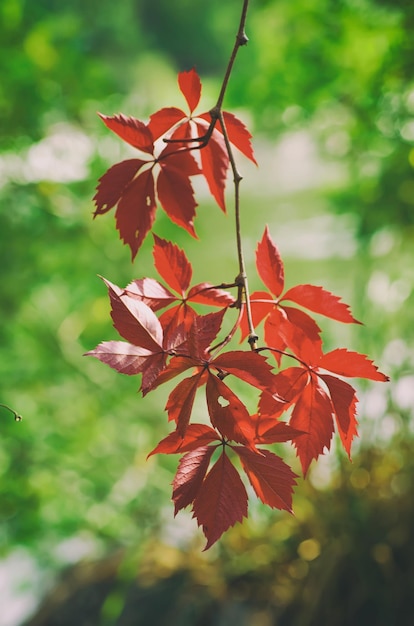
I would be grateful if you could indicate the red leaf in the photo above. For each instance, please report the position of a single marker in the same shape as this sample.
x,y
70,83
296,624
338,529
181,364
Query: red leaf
x,y
164,120
271,478
113,184
154,366
176,195
312,415
351,364
178,365
190,86
221,500
248,366
238,135
300,335
269,264
286,387
151,292
189,477
279,432
215,162
320,301
131,130
121,356
203,332
196,436
176,323
344,402
181,400
228,414
172,265
134,320
135,214
205,293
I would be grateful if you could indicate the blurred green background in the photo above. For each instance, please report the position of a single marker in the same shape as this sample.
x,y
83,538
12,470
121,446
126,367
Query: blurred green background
x,y
327,88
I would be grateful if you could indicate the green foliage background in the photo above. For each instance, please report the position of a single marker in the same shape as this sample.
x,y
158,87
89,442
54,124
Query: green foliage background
x,y
74,478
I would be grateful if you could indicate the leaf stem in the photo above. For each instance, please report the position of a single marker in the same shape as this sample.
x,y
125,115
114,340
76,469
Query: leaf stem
x,y
17,417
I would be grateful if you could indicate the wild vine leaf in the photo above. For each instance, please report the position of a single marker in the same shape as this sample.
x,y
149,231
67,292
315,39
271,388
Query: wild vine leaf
x,y
190,86
228,414
221,500
136,322
189,477
344,402
133,185
284,325
312,414
131,130
174,267
196,436
353,364
215,164
271,478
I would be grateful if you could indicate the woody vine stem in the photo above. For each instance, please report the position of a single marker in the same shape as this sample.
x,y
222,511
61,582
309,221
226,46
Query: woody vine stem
x,y
216,114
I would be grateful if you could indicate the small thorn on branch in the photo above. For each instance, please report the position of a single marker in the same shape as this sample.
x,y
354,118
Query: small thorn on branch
x,y
242,39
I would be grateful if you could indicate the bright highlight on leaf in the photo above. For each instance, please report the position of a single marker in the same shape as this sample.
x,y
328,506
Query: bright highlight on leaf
x,y
173,330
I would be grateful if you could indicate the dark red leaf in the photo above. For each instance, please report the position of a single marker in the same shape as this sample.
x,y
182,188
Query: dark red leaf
x,y
163,120
344,402
121,356
189,477
299,335
221,500
215,163
270,431
313,415
190,86
269,264
352,364
271,478
176,323
131,130
238,135
178,365
286,387
153,367
113,184
203,332
228,414
196,436
248,366
176,195
172,265
181,400
150,291
205,293
135,213
134,320
320,301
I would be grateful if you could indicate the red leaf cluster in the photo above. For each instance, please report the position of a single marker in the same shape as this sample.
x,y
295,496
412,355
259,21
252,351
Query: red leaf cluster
x,y
167,337
167,333
165,172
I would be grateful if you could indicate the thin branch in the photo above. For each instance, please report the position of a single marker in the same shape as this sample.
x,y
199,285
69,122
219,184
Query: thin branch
x,y
242,276
241,40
